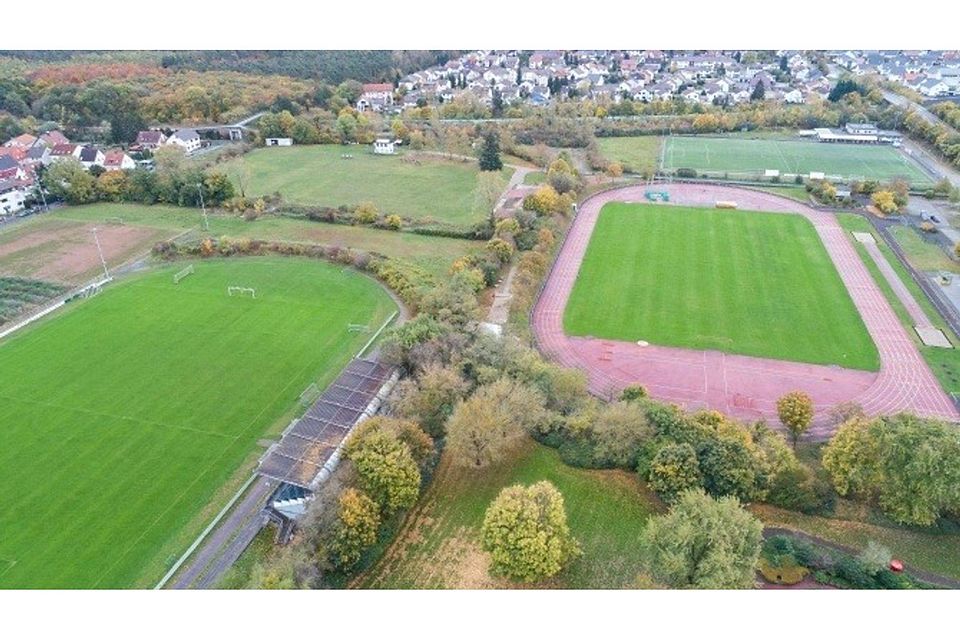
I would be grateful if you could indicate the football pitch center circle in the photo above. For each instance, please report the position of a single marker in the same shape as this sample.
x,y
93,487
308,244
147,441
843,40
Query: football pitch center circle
x,y
742,386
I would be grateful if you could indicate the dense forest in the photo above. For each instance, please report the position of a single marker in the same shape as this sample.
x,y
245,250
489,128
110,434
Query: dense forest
x,y
329,66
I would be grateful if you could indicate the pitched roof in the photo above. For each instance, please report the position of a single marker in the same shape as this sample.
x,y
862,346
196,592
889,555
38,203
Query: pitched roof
x,y
186,134
149,137
89,154
7,163
113,158
65,149
53,138
23,140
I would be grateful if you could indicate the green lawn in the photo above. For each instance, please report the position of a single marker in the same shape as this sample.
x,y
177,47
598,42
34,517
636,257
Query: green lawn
x,y
637,154
793,192
420,187
438,545
745,156
758,284
923,255
945,363
125,414
431,253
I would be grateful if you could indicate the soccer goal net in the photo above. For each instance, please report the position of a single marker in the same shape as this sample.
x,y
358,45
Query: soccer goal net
x,y
358,328
117,221
310,394
183,273
242,291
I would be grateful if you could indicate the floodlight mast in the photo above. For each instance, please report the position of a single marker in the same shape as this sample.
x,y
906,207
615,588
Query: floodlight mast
x,y
96,238
203,207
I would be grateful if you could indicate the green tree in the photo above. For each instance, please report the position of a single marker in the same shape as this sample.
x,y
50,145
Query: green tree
x,y
492,421
358,520
674,470
386,469
795,410
703,543
525,531
69,180
759,92
490,153
430,397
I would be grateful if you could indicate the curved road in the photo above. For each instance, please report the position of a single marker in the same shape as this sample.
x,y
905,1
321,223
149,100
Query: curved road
x,y
742,386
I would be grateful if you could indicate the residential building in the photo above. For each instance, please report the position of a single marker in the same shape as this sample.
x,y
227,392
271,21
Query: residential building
x,y
187,139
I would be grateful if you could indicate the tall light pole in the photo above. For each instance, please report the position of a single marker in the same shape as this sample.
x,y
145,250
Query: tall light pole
x,y
106,274
203,207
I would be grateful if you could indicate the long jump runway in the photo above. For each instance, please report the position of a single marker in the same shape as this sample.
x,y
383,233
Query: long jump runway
x,y
742,386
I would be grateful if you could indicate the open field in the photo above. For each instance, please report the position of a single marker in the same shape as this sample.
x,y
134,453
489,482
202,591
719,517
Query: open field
x,y
124,415
923,255
431,253
737,155
741,282
438,545
64,251
637,153
418,187
945,363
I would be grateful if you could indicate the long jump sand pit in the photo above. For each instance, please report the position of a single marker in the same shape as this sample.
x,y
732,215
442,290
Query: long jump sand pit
x,y
743,386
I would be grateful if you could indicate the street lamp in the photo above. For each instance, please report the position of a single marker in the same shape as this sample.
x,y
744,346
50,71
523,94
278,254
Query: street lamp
x,y
203,207
106,274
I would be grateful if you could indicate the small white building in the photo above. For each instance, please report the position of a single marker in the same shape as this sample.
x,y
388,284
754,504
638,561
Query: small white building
x,y
278,142
188,139
384,146
12,197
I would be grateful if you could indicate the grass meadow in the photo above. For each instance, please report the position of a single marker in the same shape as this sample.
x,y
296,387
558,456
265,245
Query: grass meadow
x,y
125,414
438,545
756,284
414,186
750,156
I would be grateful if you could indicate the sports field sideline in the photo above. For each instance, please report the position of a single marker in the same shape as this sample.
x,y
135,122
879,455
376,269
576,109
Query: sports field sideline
x,y
122,416
751,156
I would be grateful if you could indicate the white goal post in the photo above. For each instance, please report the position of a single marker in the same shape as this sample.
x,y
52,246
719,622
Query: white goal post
x,y
242,291
115,220
358,328
183,273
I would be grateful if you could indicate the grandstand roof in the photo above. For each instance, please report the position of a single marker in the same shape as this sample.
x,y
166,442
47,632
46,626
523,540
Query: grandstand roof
x,y
308,443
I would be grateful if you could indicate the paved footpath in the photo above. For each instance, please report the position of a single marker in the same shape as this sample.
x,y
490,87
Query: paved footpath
x,y
742,386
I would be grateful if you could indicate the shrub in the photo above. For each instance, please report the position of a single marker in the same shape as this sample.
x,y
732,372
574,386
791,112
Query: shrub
x,y
366,213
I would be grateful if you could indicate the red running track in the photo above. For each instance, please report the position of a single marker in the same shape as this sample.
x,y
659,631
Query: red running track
x,y
742,386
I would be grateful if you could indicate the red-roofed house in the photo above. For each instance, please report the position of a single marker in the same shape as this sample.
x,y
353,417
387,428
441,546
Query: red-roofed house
x,y
116,160
63,151
17,153
23,141
10,169
150,140
376,97
53,138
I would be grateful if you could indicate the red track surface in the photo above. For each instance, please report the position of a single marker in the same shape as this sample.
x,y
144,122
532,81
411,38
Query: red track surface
x,y
742,386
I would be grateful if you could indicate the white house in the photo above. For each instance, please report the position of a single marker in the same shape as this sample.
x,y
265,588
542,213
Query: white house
x,y
188,139
12,196
150,140
384,146
278,142
117,160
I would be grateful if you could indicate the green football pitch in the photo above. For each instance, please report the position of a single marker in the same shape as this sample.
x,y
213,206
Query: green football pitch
x,y
124,415
748,156
421,188
758,284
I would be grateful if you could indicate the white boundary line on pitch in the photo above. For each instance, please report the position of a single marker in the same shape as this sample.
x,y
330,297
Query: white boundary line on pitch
x,y
196,543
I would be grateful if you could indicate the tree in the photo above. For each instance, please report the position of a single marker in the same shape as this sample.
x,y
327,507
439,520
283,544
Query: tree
x,y
875,557
619,432
703,543
759,92
69,180
525,531
487,425
795,410
486,194
490,153
884,201
386,469
430,397
910,465
674,470
358,520
633,393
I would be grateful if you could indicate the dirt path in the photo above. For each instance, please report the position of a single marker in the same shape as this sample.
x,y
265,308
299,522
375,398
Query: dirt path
x,y
742,386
